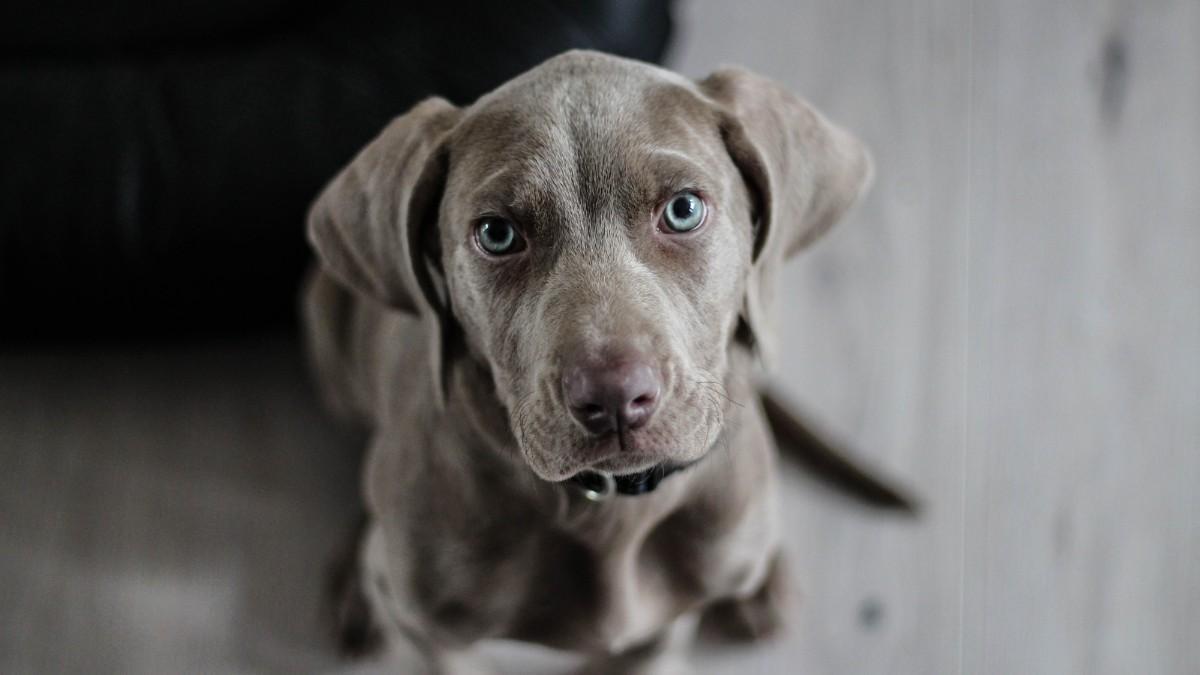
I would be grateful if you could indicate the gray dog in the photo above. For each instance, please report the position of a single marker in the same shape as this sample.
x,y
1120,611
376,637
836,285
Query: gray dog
x,y
547,307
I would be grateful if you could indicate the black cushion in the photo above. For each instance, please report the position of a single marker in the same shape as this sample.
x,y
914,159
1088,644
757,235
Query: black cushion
x,y
158,158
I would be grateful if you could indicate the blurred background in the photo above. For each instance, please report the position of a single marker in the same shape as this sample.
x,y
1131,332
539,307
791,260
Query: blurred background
x,y
1010,322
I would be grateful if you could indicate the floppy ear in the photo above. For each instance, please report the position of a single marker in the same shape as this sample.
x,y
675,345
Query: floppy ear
x,y
803,172
372,225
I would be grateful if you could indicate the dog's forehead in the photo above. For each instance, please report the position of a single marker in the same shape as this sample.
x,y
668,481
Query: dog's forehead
x,y
577,94
582,120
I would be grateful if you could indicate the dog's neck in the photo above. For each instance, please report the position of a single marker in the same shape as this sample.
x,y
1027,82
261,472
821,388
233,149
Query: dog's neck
x,y
598,486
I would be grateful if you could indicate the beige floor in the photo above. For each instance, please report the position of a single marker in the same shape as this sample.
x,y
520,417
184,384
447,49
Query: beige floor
x,y
1011,321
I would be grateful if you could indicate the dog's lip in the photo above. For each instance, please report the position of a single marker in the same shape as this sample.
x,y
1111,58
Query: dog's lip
x,y
622,465
616,454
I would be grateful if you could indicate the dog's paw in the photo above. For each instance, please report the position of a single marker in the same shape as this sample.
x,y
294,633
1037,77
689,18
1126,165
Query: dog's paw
x,y
673,664
758,617
355,632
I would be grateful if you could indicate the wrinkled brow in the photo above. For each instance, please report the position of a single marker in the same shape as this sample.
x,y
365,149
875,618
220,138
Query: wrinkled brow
x,y
536,198
672,167
518,195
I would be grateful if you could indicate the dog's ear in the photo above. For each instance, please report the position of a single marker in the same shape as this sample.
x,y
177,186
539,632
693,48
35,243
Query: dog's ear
x,y
374,225
802,170
368,226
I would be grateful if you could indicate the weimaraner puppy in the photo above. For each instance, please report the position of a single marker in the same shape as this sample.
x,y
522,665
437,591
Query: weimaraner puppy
x,y
549,307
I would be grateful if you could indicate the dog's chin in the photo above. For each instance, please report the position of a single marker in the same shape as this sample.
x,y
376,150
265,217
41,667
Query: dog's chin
x,y
615,454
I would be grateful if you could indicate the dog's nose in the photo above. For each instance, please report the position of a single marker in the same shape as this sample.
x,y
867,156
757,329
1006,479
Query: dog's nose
x,y
605,397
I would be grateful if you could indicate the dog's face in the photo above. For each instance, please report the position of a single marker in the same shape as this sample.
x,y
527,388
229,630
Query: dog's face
x,y
596,237
601,227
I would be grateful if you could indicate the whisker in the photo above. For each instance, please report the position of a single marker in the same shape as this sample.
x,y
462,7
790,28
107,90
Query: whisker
x,y
714,385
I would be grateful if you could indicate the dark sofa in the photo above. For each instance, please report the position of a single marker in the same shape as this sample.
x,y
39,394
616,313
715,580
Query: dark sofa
x,y
158,158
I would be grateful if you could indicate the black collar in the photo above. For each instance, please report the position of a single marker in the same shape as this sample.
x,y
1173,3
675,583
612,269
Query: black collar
x,y
599,486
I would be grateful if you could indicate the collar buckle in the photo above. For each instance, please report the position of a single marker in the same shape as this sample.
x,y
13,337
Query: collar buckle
x,y
597,486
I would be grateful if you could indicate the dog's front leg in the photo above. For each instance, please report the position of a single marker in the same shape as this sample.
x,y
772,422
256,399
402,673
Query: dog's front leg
x,y
408,646
665,654
757,617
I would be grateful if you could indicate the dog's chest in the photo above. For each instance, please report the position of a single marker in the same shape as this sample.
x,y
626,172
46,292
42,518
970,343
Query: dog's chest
x,y
599,590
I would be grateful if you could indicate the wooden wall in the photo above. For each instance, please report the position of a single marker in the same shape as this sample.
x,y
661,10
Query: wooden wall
x,y
1011,320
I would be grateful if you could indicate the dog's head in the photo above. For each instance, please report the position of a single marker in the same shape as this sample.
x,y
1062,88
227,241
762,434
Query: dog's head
x,y
599,232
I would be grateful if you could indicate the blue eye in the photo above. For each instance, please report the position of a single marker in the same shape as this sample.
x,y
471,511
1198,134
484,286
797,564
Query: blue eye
x,y
684,213
498,236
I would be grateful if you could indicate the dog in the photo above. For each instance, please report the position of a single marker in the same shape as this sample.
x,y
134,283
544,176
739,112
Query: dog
x,y
549,308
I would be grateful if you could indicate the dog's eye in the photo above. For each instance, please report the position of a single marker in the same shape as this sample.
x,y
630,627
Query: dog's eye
x,y
684,213
498,236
